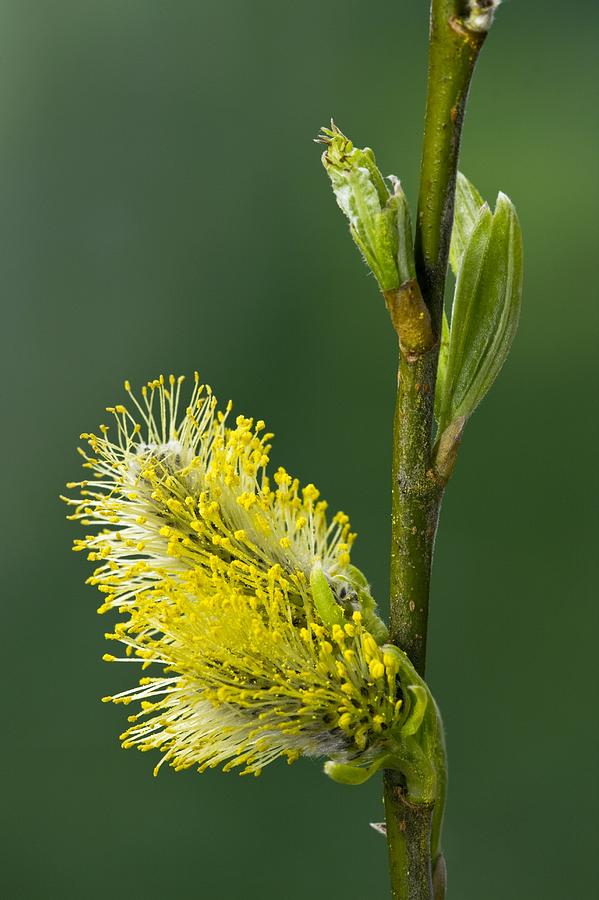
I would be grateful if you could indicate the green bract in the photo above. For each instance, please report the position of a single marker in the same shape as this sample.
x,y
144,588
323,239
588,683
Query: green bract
x,y
355,593
324,600
417,747
486,254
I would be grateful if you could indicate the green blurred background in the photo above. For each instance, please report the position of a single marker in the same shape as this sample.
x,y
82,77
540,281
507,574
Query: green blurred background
x,y
162,208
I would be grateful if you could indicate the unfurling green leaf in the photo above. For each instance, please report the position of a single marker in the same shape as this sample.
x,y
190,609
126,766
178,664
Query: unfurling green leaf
x,y
486,304
379,220
468,203
379,223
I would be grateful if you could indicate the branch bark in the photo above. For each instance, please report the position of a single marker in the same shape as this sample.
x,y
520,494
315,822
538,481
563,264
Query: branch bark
x,y
417,868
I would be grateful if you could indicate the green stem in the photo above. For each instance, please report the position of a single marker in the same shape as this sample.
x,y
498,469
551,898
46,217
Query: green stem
x,y
453,51
409,860
416,499
417,489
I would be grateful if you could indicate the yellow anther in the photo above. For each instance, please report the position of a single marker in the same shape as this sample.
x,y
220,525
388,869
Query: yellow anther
x,y
391,663
338,634
369,646
310,493
377,669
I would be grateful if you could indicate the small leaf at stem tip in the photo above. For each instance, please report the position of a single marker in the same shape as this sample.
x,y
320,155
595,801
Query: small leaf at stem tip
x,y
485,311
379,218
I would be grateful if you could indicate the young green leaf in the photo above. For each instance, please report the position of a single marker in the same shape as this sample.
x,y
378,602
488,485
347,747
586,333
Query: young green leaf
x,y
485,311
379,219
406,267
442,365
468,203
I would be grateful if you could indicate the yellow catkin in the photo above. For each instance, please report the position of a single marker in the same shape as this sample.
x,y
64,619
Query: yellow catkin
x,y
208,562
